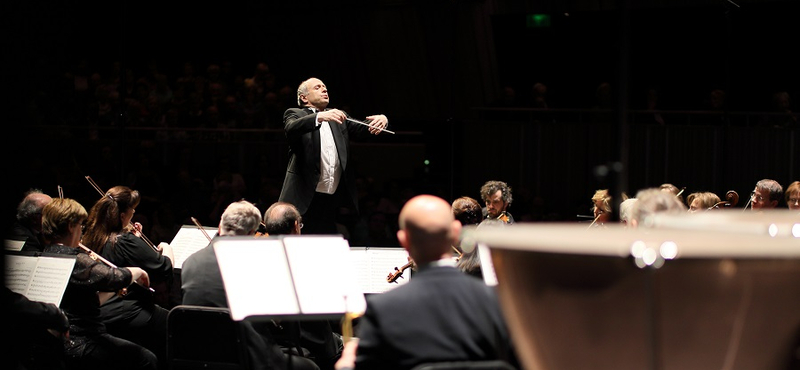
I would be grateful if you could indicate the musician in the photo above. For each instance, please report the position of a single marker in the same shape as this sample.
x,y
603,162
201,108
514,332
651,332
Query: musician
x,y
202,285
601,207
793,196
110,233
701,201
497,197
766,195
464,321
650,201
320,178
28,224
89,345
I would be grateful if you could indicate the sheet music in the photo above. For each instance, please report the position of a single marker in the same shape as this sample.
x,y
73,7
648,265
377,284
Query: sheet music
x,y
39,278
188,240
487,267
14,245
256,275
288,277
319,266
372,265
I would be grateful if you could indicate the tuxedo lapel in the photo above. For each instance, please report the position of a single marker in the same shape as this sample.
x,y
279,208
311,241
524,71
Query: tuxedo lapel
x,y
341,144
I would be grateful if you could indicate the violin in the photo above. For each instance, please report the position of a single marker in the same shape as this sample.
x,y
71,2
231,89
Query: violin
x,y
398,272
503,217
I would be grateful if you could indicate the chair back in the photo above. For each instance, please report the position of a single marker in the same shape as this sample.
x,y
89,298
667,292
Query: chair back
x,y
204,338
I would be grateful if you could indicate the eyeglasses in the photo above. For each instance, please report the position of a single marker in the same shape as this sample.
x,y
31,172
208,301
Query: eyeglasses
x,y
794,200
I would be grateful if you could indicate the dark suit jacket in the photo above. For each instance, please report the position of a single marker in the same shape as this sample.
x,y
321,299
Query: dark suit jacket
x,y
441,314
302,173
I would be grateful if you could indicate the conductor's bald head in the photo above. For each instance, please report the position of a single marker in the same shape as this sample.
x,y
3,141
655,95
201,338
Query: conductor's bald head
x,y
428,229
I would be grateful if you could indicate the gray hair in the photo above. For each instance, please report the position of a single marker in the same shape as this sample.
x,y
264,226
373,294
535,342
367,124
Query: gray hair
x,y
240,218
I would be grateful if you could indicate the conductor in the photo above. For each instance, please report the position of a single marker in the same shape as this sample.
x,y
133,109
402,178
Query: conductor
x,y
319,176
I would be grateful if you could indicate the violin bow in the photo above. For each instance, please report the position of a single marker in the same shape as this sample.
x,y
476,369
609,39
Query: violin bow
x,y
197,223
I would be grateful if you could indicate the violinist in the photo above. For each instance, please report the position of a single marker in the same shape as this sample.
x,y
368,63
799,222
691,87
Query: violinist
x,y
109,233
793,196
701,201
601,207
89,345
497,197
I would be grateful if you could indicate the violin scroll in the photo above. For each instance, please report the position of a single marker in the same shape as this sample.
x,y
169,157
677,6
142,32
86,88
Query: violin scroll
x,y
398,272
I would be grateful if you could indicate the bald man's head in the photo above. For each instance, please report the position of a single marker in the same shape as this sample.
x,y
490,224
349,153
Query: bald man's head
x,y
428,229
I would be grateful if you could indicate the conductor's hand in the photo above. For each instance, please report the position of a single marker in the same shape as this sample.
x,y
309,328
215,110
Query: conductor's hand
x,y
377,123
333,115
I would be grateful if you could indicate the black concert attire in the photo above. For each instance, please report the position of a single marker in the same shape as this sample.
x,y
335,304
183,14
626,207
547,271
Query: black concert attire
x,y
33,239
89,346
136,316
319,209
202,285
455,317
505,213
31,345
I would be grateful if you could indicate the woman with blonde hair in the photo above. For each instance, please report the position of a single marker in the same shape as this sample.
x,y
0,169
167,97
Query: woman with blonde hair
x,y
701,201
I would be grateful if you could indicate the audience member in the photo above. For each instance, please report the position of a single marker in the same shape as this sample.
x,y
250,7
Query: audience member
x,y
390,336
766,195
202,285
109,232
793,196
92,281
701,201
28,224
497,197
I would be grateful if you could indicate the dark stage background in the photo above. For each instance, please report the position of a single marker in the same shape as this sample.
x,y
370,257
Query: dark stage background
x,y
439,70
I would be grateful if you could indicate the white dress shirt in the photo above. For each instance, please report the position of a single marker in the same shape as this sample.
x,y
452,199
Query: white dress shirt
x,y
329,170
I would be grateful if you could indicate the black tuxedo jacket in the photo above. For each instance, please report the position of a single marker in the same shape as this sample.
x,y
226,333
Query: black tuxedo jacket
x,y
302,172
441,314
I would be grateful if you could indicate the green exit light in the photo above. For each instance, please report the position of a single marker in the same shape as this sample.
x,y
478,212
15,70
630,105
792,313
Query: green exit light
x,y
537,20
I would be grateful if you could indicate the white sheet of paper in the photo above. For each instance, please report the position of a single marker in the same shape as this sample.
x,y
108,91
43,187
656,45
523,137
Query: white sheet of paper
x,y
14,245
188,240
323,274
257,278
39,278
372,265
487,267
288,277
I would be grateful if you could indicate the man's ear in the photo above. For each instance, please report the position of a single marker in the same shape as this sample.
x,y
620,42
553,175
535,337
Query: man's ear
x,y
401,237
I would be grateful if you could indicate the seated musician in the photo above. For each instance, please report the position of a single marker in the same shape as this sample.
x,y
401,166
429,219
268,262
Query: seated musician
x,y
463,323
